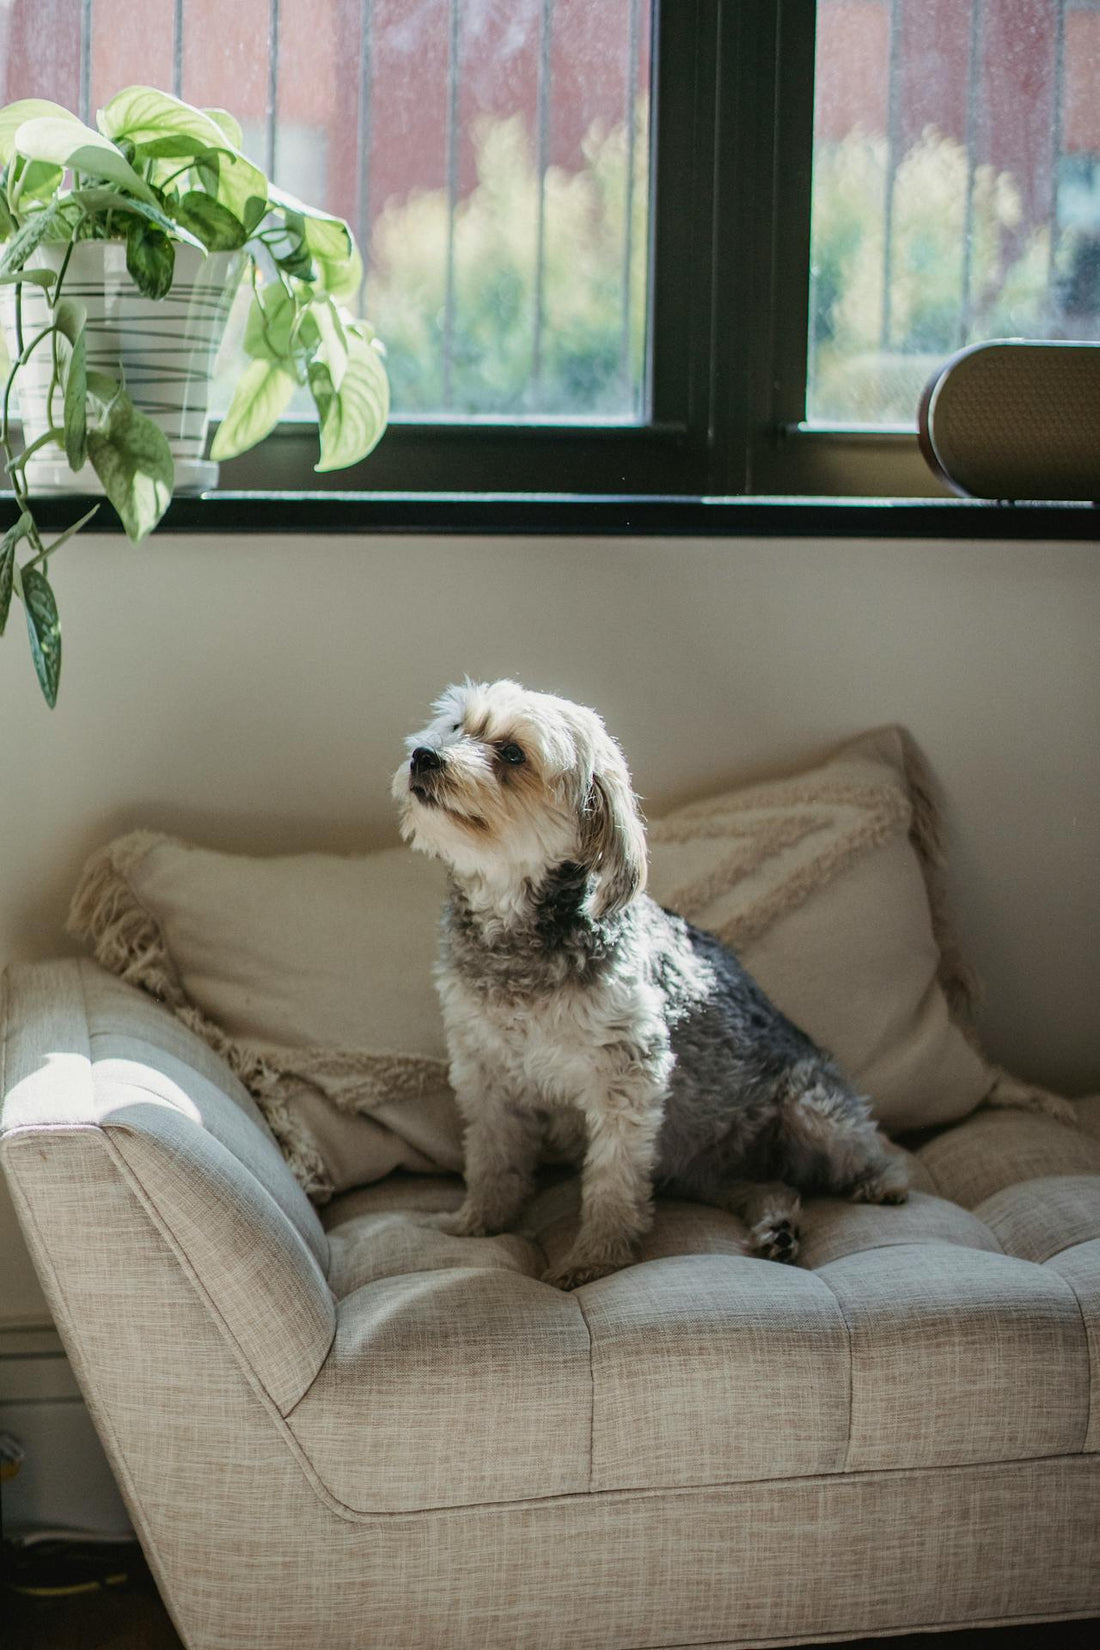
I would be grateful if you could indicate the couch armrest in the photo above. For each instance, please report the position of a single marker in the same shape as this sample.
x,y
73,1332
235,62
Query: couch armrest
x,y
94,1068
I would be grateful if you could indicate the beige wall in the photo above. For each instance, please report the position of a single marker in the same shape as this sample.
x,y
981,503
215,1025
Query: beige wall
x,y
254,694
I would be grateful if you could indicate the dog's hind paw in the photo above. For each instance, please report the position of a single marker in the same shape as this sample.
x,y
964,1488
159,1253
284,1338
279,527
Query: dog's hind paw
x,y
773,1239
889,1184
1012,1093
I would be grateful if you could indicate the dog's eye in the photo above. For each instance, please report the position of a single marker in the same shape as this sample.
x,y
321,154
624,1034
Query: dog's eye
x,y
457,728
512,755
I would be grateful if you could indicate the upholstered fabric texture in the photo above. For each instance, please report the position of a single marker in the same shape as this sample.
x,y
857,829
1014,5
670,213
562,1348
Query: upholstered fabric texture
x,y
312,974
357,1431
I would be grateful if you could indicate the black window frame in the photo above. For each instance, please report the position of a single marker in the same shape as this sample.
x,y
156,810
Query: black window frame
x,y
732,101
727,450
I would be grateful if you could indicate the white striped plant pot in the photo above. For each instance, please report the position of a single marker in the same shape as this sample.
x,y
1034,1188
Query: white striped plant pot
x,y
163,350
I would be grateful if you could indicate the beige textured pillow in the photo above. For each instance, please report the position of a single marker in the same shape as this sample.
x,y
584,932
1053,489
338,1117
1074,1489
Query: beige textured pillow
x,y
827,887
312,973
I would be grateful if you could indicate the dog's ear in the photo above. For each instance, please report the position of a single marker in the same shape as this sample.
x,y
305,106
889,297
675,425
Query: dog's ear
x,y
612,833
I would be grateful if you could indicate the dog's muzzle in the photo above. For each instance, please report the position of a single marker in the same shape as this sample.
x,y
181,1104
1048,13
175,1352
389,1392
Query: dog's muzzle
x,y
424,765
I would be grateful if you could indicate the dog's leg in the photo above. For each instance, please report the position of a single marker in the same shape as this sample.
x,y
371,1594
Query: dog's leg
x,y
770,1211
828,1126
616,1185
501,1148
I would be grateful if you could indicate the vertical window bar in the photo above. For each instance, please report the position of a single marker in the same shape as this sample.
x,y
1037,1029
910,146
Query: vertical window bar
x,y
645,406
363,130
542,161
1057,139
973,137
452,201
893,136
177,51
86,61
272,88
628,204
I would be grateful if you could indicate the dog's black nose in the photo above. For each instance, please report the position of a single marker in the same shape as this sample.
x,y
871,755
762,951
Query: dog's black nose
x,y
424,759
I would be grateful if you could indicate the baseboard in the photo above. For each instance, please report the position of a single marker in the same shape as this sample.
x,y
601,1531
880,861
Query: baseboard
x,y
64,1478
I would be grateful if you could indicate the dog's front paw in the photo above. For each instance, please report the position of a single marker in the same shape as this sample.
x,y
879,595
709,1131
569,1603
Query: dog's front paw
x,y
571,1275
773,1239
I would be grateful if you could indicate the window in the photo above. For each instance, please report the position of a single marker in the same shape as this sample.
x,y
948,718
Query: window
x,y
701,247
956,190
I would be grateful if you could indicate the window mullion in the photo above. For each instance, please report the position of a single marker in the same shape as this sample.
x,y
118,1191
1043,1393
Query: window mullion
x,y
776,194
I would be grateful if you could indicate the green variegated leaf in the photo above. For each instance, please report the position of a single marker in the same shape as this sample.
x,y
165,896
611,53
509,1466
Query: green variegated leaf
x,y
322,390
337,261
70,143
144,115
332,341
297,261
262,395
285,201
213,223
255,210
357,413
103,386
8,546
363,330
69,317
39,182
178,146
108,200
270,323
133,460
150,259
329,242
229,125
44,629
344,281
40,277
27,108
7,564
175,146
44,225
285,238
328,237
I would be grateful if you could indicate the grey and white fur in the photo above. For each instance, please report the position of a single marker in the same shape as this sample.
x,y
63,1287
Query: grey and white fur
x,y
581,1015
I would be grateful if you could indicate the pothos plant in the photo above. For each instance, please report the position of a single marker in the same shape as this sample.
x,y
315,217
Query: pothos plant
x,y
155,174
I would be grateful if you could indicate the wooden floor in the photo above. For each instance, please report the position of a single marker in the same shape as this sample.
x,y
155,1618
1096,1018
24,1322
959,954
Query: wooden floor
x,y
135,1619
126,1619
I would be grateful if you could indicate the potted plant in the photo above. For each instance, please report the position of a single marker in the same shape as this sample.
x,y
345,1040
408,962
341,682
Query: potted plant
x,y
121,250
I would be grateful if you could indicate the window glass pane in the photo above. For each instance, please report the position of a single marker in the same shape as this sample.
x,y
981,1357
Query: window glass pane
x,y
956,190
492,157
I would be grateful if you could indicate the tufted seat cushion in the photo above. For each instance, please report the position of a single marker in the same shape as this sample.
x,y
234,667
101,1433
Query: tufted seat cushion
x,y
961,1328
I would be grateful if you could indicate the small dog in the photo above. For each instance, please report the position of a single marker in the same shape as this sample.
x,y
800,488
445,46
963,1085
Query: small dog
x,y
580,1014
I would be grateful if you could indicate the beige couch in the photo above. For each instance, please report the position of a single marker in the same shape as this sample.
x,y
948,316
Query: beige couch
x,y
355,1432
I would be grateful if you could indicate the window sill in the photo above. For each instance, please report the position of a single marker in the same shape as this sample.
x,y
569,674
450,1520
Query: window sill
x,y
595,515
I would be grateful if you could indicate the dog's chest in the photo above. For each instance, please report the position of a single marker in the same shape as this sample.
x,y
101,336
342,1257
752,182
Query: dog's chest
x,y
553,1046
